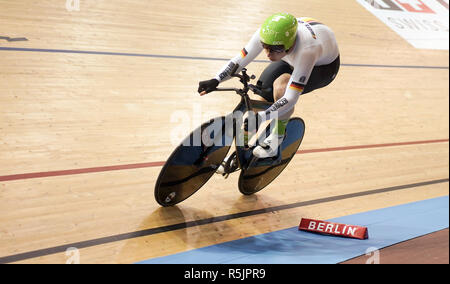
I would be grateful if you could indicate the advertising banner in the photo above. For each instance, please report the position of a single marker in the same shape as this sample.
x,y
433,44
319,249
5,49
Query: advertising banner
x,y
423,23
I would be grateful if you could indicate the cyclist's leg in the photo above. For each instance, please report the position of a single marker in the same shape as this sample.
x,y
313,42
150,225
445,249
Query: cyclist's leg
x,y
273,82
268,77
269,146
266,81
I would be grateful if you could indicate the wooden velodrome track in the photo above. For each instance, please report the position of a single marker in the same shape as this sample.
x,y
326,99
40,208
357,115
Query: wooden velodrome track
x,y
83,134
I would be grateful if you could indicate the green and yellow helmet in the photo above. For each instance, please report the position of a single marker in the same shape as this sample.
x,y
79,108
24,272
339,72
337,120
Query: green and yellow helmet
x,y
279,29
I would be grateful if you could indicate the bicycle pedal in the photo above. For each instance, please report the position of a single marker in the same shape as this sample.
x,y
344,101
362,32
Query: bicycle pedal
x,y
223,174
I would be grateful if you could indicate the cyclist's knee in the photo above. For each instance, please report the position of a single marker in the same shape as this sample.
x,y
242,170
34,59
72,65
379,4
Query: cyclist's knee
x,y
280,85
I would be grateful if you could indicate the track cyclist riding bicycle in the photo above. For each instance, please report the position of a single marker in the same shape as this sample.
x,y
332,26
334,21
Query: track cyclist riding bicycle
x,y
304,55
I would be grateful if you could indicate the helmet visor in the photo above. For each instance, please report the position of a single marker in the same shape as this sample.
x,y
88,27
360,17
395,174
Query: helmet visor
x,y
273,48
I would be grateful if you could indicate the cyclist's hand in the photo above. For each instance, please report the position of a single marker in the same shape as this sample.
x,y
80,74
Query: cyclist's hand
x,y
207,86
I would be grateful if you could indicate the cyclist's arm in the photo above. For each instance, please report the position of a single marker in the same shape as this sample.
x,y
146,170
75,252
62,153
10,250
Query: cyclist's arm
x,y
245,56
304,65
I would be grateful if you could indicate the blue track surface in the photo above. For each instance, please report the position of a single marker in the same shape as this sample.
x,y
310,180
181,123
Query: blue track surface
x,y
386,227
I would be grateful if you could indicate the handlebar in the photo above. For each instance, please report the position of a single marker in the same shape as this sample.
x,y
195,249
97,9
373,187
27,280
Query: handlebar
x,y
244,79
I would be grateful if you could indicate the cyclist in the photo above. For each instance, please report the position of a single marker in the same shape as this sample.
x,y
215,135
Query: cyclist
x,y
304,55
